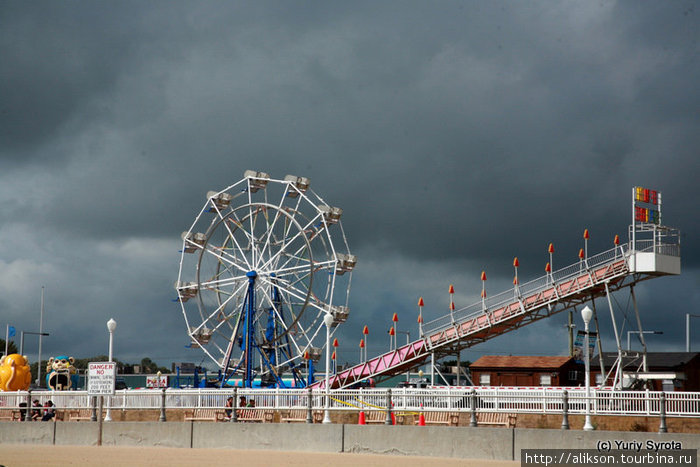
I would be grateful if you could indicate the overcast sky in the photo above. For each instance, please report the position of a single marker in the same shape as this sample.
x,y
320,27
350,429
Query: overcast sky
x,y
455,136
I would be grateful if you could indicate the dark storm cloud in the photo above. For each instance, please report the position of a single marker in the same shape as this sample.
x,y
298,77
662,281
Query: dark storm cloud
x,y
454,137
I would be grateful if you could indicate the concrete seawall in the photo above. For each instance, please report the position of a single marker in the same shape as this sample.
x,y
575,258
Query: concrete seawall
x,y
458,442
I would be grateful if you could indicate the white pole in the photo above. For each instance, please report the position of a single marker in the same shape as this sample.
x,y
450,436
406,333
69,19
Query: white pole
x,y
687,330
41,332
408,342
111,326
328,321
587,314
7,338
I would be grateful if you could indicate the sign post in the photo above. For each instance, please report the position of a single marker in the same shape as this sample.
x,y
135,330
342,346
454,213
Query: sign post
x,y
101,378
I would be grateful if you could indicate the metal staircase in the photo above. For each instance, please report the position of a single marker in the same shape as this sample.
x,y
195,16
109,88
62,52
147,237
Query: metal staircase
x,y
590,278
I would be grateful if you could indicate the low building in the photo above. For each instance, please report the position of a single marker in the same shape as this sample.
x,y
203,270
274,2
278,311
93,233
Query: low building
x,y
667,371
530,371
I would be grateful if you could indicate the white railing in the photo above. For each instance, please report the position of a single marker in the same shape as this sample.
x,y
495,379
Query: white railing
x,y
526,289
453,399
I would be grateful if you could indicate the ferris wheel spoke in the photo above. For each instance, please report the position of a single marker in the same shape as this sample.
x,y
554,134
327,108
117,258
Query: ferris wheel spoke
x,y
271,228
233,237
275,257
300,234
225,257
235,220
291,212
312,267
295,326
299,294
291,305
216,284
218,311
297,254
252,218
240,227
293,270
303,253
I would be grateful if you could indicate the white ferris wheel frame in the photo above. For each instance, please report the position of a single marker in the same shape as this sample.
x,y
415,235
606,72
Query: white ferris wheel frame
x,y
305,213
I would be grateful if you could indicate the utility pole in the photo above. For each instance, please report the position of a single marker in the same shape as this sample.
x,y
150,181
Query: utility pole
x,y
687,330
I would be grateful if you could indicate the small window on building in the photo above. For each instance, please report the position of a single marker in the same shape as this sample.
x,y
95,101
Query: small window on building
x,y
485,380
545,380
598,379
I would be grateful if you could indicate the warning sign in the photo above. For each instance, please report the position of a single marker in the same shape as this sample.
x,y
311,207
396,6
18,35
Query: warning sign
x,y
101,376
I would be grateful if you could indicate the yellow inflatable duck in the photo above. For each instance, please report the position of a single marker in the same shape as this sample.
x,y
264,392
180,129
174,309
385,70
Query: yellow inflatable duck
x,y
14,373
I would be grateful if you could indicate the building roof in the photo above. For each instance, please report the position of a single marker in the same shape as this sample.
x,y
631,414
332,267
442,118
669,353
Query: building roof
x,y
655,360
519,361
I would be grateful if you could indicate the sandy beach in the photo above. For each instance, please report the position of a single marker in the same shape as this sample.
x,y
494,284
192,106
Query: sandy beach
x,y
111,456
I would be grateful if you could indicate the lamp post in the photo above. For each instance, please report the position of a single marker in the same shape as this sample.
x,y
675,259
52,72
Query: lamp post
x,y
21,339
41,333
327,321
111,326
587,314
640,332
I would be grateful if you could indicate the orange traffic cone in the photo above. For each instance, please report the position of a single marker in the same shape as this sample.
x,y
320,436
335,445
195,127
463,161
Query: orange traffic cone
x,y
421,417
361,419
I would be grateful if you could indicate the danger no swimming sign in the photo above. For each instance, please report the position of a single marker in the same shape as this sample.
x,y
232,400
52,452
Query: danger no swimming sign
x,y
101,376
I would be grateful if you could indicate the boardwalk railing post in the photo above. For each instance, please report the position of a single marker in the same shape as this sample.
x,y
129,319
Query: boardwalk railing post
x,y
309,408
28,413
162,406
565,410
472,403
234,413
662,413
387,420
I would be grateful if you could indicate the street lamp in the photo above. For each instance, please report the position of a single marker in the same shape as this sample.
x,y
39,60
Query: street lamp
x,y
587,314
111,326
327,321
640,332
21,339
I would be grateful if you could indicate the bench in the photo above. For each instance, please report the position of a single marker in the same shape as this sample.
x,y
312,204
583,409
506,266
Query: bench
x,y
375,416
496,418
204,415
80,415
440,418
10,415
299,416
255,415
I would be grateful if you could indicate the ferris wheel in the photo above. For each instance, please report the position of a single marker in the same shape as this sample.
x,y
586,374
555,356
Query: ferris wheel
x,y
264,262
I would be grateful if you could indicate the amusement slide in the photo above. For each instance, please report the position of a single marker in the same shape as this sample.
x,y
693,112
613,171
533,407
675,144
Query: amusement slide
x,y
557,291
